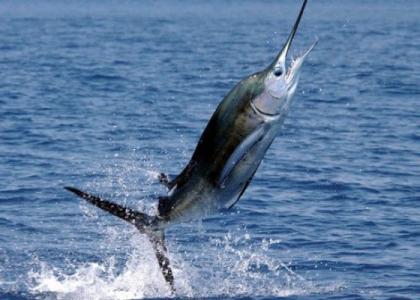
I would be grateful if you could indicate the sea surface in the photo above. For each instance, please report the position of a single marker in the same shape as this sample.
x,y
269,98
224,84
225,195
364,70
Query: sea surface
x,y
104,95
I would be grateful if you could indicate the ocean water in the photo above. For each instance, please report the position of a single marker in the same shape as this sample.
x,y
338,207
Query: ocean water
x,y
103,95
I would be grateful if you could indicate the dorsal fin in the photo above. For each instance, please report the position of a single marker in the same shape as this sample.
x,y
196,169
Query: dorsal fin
x,y
166,180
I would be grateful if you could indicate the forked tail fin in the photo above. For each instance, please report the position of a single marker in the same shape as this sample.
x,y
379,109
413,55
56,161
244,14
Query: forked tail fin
x,y
144,223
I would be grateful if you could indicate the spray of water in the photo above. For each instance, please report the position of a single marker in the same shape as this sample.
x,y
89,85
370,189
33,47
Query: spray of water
x,y
229,265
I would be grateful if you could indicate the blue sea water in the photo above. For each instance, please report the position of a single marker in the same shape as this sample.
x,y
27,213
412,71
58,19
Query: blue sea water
x,y
103,95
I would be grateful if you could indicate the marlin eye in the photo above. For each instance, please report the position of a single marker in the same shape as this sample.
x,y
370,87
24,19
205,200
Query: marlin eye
x,y
278,72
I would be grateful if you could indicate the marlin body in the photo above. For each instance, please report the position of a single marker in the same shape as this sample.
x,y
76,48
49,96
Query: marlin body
x,y
227,156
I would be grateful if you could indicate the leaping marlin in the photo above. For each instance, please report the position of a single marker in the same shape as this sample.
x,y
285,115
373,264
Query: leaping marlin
x,y
226,157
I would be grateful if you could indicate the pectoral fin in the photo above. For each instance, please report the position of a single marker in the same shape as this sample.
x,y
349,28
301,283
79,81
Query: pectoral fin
x,y
242,191
244,147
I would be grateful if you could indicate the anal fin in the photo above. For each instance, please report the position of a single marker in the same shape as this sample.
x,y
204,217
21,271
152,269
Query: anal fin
x,y
164,206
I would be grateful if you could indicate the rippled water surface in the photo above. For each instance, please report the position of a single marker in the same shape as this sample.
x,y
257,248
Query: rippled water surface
x,y
103,95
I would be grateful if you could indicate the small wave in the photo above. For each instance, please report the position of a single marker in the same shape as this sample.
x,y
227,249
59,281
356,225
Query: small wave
x,y
104,77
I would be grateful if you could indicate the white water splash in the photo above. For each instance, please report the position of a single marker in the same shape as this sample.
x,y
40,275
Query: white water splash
x,y
232,265
222,267
139,278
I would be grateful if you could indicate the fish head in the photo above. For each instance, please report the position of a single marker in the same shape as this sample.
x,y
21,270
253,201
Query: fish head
x,y
280,81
